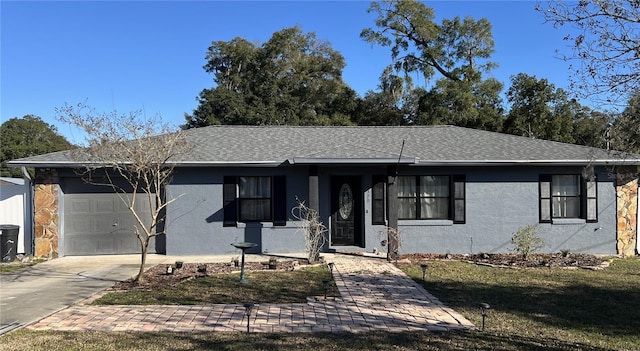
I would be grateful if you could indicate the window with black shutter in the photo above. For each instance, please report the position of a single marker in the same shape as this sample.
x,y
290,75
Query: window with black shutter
x,y
254,199
566,196
377,200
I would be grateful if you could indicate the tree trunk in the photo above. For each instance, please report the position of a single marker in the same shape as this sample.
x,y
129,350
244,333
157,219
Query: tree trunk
x,y
143,260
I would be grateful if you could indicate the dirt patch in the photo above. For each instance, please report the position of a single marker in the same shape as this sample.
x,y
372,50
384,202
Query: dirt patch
x,y
157,276
513,260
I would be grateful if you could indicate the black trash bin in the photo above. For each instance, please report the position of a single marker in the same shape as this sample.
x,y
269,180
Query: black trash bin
x,y
8,242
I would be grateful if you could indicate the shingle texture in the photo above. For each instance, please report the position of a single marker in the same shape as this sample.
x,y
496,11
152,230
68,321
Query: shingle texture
x,y
426,144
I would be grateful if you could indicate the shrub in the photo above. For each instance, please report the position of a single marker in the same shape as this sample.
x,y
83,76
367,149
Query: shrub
x,y
527,242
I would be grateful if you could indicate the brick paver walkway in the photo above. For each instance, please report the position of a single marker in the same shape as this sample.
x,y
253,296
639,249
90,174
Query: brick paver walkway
x,y
375,296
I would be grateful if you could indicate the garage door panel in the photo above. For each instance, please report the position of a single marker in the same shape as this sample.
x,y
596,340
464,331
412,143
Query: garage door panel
x,y
81,225
104,205
101,224
79,205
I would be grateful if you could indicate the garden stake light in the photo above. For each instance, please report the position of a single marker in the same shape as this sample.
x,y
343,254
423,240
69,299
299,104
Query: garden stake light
x,y
325,285
248,307
423,266
484,307
330,264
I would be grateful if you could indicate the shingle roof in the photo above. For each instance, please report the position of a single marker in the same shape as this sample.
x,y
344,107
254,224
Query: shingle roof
x,y
423,145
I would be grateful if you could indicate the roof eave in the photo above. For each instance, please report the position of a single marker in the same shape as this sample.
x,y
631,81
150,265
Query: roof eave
x,y
567,162
366,161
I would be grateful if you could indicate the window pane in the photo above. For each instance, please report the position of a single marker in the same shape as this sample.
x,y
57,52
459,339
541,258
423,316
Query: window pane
x,y
434,208
459,211
255,210
565,185
407,208
459,190
545,211
566,207
592,205
255,187
406,186
591,189
544,189
434,186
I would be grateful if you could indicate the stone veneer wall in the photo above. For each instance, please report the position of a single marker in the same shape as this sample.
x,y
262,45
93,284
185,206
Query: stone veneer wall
x,y
627,207
46,214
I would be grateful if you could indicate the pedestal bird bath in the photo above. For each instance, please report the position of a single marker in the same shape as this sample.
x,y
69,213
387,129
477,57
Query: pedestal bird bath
x,y
244,246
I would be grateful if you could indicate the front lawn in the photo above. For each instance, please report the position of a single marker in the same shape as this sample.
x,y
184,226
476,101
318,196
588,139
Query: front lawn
x,y
224,288
574,306
531,309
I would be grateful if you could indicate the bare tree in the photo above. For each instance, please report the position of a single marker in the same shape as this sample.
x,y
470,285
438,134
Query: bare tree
x,y
605,37
133,155
313,229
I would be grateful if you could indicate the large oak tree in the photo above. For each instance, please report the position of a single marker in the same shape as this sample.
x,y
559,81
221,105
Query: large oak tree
x,y
292,79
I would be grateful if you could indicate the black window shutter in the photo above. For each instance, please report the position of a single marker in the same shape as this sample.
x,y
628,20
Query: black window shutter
x,y
458,199
377,201
279,200
544,188
589,208
229,201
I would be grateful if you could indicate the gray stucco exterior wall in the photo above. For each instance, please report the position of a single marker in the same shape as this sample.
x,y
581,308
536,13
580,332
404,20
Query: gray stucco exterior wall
x,y
499,201
195,217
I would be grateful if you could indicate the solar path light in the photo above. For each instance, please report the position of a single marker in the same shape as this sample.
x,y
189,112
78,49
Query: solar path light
x,y
423,266
247,310
483,308
325,285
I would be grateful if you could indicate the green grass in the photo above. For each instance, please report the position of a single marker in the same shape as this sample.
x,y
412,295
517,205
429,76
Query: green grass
x,y
597,308
263,287
531,310
14,266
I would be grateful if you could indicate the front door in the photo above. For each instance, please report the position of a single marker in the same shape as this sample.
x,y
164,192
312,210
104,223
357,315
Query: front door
x,y
346,211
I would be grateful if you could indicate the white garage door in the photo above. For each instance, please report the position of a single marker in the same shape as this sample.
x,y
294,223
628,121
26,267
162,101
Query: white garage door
x,y
100,224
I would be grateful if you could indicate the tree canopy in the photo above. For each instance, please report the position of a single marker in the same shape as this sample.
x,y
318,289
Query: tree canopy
x,y
296,79
292,79
538,110
605,39
25,137
456,50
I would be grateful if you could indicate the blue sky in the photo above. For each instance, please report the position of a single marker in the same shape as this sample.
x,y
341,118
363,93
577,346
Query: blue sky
x,y
148,55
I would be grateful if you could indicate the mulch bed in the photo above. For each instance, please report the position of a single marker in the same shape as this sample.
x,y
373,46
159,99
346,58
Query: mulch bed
x,y
157,276
512,260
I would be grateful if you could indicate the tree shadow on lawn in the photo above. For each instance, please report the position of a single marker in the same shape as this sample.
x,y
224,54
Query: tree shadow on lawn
x,y
442,341
579,307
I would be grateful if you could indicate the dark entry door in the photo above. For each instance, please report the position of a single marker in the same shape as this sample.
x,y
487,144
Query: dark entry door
x,y
346,211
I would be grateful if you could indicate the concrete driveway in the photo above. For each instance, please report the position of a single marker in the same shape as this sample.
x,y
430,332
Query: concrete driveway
x,y
37,291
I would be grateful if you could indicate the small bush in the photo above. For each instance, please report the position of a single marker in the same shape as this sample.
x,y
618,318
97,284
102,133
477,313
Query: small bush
x,y
527,242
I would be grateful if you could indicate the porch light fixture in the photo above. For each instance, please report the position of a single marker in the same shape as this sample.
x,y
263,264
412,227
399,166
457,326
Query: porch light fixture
x,y
483,308
423,266
247,310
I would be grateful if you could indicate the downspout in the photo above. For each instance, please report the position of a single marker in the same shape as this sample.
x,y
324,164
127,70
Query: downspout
x,y
28,212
